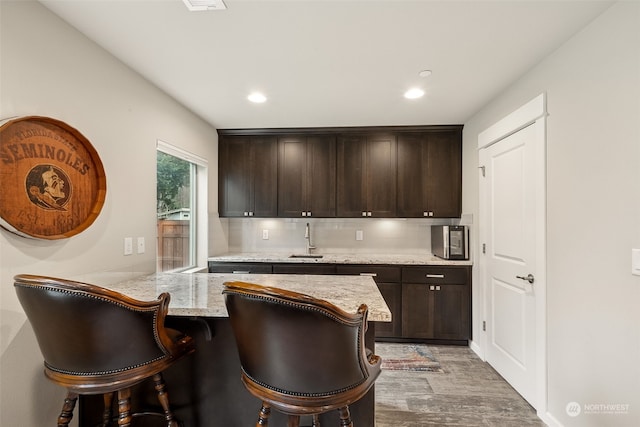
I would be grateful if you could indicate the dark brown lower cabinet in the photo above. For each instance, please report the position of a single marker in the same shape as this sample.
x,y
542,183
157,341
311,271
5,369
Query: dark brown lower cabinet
x,y
436,304
427,303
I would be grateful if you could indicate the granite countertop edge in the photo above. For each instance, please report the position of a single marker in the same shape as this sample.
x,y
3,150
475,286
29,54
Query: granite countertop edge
x,y
423,259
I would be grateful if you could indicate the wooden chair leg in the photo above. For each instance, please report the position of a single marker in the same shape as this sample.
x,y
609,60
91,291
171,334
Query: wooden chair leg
x,y
67,409
263,417
107,413
316,421
345,417
124,408
293,421
163,397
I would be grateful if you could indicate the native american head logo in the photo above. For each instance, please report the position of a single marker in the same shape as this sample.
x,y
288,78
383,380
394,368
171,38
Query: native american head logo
x,y
48,187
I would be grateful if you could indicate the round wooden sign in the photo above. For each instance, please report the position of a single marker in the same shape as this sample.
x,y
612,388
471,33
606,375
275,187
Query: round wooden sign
x,y
52,181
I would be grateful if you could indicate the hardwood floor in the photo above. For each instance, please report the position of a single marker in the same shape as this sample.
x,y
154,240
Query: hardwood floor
x,y
468,393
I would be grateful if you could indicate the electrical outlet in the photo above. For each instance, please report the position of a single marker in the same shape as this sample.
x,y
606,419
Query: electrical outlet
x,y
635,262
141,246
128,245
265,234
359,235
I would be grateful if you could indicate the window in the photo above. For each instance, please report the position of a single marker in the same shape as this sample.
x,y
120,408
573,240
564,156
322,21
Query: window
x,y
181,198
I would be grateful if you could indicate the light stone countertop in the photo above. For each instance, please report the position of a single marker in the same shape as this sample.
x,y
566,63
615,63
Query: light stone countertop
x,y
200,294
338,258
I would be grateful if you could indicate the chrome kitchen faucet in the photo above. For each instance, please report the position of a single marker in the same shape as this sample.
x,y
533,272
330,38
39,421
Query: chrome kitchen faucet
x,y
307,236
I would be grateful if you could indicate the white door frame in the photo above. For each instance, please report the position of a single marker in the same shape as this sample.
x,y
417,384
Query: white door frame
x,y
532,112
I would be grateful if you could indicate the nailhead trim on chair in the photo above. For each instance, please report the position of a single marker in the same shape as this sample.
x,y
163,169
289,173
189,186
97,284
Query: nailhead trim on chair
x,y
321,311
109,301
113,371
294,393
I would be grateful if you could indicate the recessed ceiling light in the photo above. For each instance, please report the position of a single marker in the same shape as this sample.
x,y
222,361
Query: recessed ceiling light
x,y
414,93
200,5
424,73
257,98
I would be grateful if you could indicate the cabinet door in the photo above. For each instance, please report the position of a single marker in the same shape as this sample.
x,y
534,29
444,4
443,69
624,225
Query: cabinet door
x,y
351,189
321,176
451,312
367,168
392,294
417,311
292,170
234,178
381,175
443,177
264,176
412,151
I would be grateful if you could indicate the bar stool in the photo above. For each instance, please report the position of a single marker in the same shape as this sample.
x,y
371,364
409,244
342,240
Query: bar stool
x,y
298,354
97,341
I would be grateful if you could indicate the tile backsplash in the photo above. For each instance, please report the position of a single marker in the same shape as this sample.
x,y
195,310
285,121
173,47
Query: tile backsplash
x,y
330,235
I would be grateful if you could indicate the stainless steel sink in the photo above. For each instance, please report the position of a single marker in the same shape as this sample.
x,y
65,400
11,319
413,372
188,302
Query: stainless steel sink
x,y
304,256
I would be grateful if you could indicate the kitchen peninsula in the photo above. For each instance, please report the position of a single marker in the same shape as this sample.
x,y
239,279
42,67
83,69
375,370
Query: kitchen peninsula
x,y
205,388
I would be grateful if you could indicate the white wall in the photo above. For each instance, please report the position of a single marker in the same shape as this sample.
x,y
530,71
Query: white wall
x,y
47,68
593,199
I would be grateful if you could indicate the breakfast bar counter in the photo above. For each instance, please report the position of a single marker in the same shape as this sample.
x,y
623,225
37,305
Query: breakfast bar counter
x,y
200,294
205,388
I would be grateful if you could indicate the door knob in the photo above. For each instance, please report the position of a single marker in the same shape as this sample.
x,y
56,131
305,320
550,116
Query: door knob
x,y
529,278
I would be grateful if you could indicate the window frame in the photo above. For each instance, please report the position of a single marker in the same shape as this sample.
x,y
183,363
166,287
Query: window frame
x,y
199,225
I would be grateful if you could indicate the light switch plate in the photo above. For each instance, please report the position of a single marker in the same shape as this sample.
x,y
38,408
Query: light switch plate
x,y
359,235
141,245
128,245
635,262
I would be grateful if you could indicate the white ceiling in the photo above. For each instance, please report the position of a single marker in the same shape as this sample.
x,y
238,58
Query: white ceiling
x,y
331,62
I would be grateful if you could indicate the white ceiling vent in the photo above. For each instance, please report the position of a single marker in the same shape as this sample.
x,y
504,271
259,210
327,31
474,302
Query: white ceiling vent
x,y
200,5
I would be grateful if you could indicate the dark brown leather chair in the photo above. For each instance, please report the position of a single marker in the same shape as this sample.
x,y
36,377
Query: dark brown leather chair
x,y
299,355
97,341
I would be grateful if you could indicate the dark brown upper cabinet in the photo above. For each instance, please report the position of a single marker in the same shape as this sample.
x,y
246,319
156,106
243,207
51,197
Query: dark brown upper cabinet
x,y
384,172
430,173
366,175
247,185
307,176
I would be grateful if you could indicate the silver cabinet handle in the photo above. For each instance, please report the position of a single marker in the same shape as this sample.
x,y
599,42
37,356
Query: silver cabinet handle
x,y
529,278
435,276
240,272
369,274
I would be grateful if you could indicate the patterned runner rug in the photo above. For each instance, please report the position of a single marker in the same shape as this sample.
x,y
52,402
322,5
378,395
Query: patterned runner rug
x,y
407,357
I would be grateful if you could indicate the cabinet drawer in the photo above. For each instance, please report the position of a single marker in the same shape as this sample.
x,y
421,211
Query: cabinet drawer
x,y
304,269
239,267
435,274
380,273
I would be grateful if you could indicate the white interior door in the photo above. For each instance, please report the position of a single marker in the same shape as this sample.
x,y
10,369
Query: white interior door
x,y
513,229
